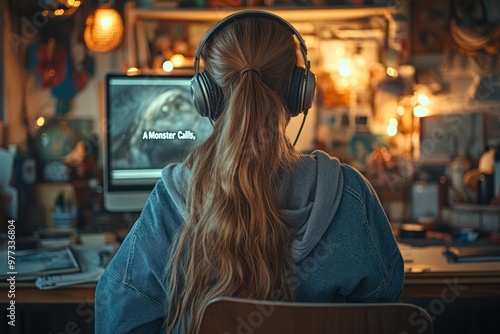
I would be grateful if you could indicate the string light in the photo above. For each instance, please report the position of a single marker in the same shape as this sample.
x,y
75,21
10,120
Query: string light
x,y
423,99
392,128
420,111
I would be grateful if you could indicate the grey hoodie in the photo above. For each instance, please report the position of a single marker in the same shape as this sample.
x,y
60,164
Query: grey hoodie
x,y
344,250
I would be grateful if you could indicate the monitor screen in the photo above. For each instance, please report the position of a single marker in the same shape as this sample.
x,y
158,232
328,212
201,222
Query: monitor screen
x,y
150,122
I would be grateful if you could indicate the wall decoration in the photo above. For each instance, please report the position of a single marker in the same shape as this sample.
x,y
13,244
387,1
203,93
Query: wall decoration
x,y
430,26
48,38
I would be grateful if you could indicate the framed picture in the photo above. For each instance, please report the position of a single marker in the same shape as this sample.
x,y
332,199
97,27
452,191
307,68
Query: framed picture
x,y
444,136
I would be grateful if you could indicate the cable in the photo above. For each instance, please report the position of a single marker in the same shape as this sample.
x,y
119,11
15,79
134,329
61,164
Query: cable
x,y
300,129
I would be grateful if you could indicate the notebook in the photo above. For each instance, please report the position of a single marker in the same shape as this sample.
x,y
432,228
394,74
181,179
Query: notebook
x,y
472,254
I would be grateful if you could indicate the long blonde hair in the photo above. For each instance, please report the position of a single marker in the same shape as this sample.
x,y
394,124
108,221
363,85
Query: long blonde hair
x,y
236,242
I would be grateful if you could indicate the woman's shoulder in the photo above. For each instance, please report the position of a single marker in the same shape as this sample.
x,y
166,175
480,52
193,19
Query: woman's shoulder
x,y
353,179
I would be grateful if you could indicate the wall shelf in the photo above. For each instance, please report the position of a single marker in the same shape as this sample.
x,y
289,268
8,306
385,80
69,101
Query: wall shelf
x,y
313,15
295,14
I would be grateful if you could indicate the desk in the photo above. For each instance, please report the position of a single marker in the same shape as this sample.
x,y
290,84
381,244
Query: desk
x,y
417,285
429,275
27,293
445,289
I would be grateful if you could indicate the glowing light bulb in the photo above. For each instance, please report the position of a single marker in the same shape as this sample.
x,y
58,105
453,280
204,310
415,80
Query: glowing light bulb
x,y
392,72
103,29
420,111
133,71
344,67
168,66
392,130
40,121
423,100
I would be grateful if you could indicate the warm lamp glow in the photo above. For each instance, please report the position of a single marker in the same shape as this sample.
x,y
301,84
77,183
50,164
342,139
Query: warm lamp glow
x,y
400,110
133,71
392,128
103,29
177,60
392,72
344,67
168,66
420,111
40,121
423,100
60,8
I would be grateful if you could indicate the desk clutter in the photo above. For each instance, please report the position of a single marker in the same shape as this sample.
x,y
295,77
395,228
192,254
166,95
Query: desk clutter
x,y
442,259
91,262
55,258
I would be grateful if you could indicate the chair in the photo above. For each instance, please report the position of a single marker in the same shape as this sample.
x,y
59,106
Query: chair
x,y
244,316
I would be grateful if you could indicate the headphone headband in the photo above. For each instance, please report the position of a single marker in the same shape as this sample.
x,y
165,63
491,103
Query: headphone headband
x,y
208,96
246,13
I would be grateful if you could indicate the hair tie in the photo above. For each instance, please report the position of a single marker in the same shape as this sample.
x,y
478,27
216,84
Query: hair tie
x,y
249,68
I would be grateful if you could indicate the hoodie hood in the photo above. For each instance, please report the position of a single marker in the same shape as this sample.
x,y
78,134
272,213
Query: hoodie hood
x,y
310,195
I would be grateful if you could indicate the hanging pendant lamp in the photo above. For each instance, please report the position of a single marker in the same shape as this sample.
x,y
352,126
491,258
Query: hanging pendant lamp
x,y
103,29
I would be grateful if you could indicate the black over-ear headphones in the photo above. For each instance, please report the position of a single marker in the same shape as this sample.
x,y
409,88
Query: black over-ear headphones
x,y
207,95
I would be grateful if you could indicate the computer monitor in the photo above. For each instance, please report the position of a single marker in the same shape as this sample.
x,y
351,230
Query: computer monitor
x,y
150,122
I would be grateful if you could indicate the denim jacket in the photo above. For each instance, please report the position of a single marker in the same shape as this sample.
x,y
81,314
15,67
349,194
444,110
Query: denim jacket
x,y
344,251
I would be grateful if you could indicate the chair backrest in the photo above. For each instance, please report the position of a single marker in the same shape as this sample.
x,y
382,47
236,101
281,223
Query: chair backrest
x,y
228,315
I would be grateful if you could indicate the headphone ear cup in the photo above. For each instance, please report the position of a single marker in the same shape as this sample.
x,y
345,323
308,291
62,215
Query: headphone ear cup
x,y
214,98
309,91
206,95
199,96
295,94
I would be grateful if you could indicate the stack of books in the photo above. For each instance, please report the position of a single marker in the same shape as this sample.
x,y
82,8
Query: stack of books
x,y
31,263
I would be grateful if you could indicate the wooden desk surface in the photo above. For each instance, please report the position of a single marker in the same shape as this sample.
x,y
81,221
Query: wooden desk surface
x,y
417,285
27,293
427,275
